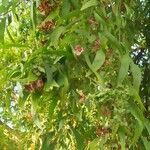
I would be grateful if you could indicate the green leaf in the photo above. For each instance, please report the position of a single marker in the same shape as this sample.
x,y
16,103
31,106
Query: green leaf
x,y
65,7
125,61
89,4
87,59
52,107
94,145
49,73
122,137
147,125
137,132
56,35
33,14
98,61
2,29
47,142
137,77
136,112
137,98
113,41
146,143
100,19
79,139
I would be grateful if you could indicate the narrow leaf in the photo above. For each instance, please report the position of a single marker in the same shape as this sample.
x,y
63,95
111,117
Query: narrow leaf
x,y
125,61
113,40
56,35
136,73
2,29
65,7
137,132
122,138
146,143
79,139
92,68
89,4
98,60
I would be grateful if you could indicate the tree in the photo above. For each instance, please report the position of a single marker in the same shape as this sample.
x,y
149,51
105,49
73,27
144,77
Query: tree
x,y
74,74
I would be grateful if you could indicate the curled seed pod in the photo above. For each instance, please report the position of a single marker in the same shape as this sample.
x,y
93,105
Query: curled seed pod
x,y
78,50
33,86
93,23
47,26
82,96
45,7
102,131
96,44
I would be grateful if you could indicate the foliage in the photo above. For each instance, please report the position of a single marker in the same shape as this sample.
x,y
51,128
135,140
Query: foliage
x,y
67,79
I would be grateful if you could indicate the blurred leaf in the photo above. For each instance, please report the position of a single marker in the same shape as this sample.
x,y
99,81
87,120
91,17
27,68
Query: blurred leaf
x,y
136,112
98,61
125,61
147,125
146,143
138,128
47,142
2,29
33,14
56,35
65,7
88,4
94,145
49,74
137,98
52,107
113,41
79,139
100,19
122,138
137,77
92,68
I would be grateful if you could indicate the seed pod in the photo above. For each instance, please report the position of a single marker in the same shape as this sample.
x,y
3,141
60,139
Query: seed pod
x,y
47,26
78,50
45,7
33,86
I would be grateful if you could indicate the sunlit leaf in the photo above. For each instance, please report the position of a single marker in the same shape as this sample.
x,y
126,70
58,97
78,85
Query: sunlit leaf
x,y
88,4
2,29
125,62
146,143
56,35
137,77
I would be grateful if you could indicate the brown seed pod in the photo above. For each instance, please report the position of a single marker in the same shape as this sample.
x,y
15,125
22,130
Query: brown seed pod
x,y
106,111
34,86
47,26
45,7
96,45
82,96
102,131
78,50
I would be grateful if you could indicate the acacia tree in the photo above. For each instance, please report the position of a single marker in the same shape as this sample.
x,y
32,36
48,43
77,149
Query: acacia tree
x,y
67,79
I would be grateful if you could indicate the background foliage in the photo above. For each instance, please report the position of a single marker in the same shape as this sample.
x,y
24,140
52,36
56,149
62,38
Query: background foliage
x,y
74,74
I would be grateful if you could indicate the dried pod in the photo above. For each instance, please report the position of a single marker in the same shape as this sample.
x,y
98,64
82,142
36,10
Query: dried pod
x,y
34,86
78,50
47,26
96,45
102,131
92,22
82,96
45,7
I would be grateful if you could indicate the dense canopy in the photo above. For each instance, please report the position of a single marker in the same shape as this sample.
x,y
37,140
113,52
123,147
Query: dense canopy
x,y
75,74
